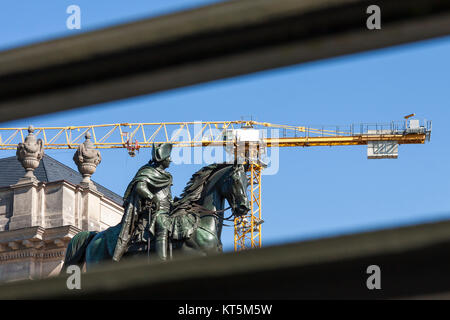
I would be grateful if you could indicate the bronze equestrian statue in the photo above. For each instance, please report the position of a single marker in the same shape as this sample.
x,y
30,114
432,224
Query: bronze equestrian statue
x,y
153,221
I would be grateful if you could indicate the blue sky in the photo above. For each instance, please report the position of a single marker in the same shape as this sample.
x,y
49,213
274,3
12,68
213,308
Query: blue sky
x,y
318,191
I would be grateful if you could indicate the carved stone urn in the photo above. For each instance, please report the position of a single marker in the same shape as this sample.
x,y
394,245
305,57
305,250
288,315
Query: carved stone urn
x,y
87,157
29,153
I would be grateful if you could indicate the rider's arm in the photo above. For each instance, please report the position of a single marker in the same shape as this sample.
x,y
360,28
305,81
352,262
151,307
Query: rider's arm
x,y
142,190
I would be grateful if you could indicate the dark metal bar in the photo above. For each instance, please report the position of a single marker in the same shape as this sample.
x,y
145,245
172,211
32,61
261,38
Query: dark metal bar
x,y
214,42
413,260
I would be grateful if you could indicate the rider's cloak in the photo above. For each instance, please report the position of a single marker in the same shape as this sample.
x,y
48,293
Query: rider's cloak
x,y
156,179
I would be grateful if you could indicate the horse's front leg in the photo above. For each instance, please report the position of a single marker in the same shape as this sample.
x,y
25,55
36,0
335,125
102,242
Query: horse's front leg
x,y
189,247
207,242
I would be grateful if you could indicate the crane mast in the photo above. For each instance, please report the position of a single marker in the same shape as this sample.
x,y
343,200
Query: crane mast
x,y
246,141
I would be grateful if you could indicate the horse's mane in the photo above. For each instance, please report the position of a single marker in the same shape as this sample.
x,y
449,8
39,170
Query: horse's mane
x,y
194,188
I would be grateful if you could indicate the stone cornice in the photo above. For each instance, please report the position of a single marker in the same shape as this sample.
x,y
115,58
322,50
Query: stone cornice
x,y
73,187
31,183
36,238
36,233
52,254
65,232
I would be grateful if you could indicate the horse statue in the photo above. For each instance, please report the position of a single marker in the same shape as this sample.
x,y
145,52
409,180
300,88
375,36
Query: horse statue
x,y
196,219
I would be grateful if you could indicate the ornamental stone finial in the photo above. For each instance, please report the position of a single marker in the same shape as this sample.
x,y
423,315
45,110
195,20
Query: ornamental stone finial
x,y
87,157
29,153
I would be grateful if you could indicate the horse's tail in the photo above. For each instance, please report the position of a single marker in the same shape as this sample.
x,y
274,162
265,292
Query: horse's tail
x,y
76,250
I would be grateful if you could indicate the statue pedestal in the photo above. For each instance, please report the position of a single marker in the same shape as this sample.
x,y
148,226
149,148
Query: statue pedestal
x,y
26,195
27,179
88,185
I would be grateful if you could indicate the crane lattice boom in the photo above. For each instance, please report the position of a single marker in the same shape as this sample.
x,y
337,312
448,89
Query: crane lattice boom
x,y
382,141
196,134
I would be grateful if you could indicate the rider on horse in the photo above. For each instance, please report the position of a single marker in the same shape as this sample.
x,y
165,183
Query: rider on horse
x,y
147,203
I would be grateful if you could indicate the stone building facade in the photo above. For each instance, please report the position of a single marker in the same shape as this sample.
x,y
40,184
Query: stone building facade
x,y
39,217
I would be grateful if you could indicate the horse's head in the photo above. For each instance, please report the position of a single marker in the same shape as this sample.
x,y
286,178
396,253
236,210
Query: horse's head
x,y
234,190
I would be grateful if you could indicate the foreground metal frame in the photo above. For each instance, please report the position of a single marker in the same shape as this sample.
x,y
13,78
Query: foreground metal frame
x,y
214,42
414,263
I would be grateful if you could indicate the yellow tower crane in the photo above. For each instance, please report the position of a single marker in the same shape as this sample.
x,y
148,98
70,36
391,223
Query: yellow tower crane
x,y
243,140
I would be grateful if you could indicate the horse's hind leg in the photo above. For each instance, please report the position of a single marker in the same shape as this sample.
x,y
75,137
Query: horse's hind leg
x,y
76,250
97,251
